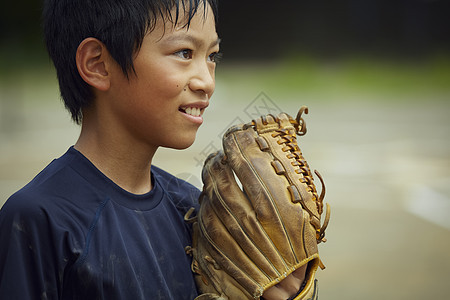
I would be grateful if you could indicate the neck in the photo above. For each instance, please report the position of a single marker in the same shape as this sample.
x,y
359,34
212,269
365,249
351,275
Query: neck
x,y
124,161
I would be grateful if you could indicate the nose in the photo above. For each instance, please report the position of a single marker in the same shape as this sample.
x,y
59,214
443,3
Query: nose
x,y
203,79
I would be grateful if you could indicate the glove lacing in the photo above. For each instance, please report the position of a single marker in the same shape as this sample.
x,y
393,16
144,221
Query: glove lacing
x,y
295,153
288,137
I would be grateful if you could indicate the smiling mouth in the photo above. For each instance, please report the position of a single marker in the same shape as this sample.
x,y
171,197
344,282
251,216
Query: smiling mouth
x,y
193,111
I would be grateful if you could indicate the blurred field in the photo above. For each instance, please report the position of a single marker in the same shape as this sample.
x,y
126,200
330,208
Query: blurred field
x,y
377,131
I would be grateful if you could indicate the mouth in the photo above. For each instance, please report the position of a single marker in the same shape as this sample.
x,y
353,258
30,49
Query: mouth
x,y
194,111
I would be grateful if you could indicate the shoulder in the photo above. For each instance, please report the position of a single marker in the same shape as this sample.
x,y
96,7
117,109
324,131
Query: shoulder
x,y
182,193
20,210
53,181
34,197
55,195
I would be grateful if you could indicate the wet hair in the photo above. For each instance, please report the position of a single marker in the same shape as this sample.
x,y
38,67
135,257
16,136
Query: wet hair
x,y
119,24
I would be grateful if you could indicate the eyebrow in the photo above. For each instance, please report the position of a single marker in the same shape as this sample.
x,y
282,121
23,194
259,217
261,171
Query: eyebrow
x,y
192,39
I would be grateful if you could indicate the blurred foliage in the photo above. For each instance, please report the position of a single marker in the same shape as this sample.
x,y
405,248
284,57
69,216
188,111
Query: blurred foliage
x,y
262,30
332,47
269,29
21,42
353,76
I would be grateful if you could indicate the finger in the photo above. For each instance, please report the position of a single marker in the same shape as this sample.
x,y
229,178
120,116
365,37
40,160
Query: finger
x,y
290,285
275,293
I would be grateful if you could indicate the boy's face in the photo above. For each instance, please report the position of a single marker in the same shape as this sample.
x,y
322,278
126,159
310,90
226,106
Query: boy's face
x,y
162,105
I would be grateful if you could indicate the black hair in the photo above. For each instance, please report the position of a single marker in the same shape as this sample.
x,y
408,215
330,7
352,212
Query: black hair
x,y
120,24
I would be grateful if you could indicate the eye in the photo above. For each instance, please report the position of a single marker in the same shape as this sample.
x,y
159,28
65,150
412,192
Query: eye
x,y
215,57
184,54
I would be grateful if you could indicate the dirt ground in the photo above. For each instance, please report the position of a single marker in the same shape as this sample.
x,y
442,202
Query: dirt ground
x,y
386,166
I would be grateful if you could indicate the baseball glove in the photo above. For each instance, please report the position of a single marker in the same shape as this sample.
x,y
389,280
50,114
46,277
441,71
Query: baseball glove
x,y
260,214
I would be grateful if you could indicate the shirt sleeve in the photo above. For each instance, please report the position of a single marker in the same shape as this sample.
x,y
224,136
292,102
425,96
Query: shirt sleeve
x,y
28,258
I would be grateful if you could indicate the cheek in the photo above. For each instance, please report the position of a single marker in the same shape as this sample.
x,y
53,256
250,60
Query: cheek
x,y
162,81
170,85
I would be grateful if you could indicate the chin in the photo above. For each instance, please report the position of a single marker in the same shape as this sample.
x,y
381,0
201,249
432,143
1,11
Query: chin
x,y
182,143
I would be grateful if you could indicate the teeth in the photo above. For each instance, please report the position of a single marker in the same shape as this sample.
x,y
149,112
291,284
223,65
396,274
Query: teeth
x,y
193,111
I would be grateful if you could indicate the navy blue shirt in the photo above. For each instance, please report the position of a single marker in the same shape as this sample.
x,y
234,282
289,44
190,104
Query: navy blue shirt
x,y
71,233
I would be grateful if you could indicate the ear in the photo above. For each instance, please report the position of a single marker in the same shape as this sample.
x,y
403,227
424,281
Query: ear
x,y
92,60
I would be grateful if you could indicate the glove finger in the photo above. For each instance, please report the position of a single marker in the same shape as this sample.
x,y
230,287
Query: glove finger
x,y
282,220
225,203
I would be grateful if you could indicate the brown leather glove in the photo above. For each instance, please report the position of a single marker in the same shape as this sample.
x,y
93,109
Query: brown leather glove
x,y
252,232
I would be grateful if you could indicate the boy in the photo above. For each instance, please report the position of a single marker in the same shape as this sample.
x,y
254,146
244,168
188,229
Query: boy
x,y
101,222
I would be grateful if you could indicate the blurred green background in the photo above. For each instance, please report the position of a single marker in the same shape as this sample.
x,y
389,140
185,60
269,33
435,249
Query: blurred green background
x,y
376,77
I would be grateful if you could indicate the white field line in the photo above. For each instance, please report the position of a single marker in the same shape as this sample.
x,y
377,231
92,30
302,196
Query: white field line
x,y
430,205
